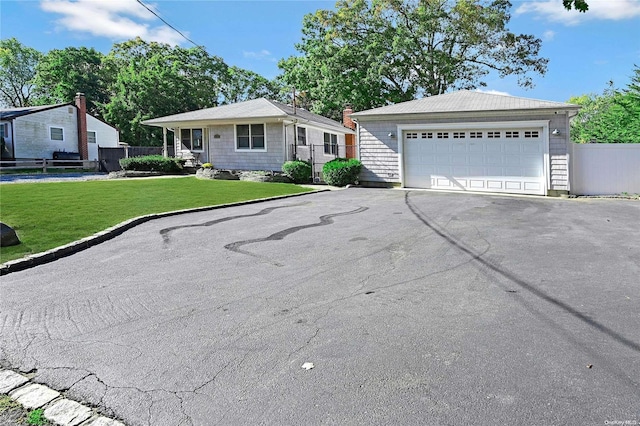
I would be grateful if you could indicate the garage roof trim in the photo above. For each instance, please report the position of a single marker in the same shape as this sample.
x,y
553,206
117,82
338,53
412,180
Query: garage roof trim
x,y
465,101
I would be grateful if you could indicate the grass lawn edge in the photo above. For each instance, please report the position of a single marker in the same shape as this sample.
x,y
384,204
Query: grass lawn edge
x,y
47,256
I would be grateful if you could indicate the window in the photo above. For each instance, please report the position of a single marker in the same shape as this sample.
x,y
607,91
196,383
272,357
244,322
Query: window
x,y
458,135
475,135
4,130
412,136
443,135
192,139
56,133
493,134
330,144
509,134
428,135
302,136
91,137
531,134
250,136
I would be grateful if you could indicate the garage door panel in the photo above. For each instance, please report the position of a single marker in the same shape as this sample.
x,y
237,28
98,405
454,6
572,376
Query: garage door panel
x,y
502,163
477,184
515,185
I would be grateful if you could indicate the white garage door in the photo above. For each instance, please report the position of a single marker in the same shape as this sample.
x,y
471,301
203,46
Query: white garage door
x,y
493,160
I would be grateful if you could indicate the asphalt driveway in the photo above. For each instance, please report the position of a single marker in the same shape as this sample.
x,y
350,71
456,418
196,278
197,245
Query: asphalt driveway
x,y
414,308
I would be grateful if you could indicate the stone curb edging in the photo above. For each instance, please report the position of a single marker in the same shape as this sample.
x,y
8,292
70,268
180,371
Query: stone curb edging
x,y
109,233
57,409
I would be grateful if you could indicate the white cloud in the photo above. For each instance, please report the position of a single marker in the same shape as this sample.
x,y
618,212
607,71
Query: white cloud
x,y
493,92
554,11
114,19
263,54
548,35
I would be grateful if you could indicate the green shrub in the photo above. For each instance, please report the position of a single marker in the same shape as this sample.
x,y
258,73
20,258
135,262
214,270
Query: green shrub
x,y
152,163
341,171
298,171
207,166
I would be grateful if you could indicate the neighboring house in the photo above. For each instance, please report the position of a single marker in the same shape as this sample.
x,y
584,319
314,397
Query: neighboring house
x,y
468,141
259,134
39,132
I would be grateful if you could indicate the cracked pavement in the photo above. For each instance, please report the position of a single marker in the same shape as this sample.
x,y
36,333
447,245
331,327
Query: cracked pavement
x,y
415,308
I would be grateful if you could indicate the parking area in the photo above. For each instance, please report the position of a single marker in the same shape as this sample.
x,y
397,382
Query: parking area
x,y
414,307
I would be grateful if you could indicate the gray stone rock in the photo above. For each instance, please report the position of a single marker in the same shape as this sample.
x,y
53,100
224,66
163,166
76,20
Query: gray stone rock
x,y
68,413
8,236
10,380
34,395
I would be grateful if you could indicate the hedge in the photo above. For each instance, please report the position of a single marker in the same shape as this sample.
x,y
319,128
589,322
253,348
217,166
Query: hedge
x,y
152,163
298,171
341,171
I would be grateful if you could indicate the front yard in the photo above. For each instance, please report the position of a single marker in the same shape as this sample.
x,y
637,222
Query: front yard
x,y
48,215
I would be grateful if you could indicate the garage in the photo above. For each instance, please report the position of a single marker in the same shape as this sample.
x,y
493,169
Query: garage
x,y
510,160
467,141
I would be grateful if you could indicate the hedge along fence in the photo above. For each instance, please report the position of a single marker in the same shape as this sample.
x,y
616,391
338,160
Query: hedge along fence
x,y
341,171
152,163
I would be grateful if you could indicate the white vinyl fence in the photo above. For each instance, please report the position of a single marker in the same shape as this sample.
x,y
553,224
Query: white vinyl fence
x,y
605,168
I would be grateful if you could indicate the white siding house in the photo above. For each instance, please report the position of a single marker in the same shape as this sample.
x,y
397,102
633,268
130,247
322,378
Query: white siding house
x,y
38,132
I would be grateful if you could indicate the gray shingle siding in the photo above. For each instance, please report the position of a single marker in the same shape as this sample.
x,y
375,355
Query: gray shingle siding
x,y
224,155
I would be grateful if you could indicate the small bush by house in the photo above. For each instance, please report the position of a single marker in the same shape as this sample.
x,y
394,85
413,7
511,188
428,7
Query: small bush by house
x,y
297,171
341,171
152,163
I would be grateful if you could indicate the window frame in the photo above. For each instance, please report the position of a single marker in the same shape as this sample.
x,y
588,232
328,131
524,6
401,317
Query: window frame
x,y
331,145
251,147
51,135
190,145
95,138
304,143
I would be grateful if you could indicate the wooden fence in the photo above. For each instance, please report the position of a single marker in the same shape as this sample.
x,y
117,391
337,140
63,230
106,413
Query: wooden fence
x,y
45,164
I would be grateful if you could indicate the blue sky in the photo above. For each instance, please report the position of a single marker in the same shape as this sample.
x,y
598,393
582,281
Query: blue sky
x,y
585,50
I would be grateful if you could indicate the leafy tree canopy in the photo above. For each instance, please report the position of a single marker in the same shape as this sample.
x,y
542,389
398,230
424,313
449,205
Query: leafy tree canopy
x,y
17,73
63,73
579,5
377,52
612,117
153,80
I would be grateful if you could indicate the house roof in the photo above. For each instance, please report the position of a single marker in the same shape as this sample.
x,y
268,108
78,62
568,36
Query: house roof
x,y
11,113
464,101
254,109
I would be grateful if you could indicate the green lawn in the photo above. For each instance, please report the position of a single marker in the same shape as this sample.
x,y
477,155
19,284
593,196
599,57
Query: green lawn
x,y
47,215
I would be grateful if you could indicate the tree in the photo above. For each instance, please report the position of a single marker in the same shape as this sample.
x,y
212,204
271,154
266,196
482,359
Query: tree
x,y
17,72
242,85
372,53
63,73
612,117
579,5
153,80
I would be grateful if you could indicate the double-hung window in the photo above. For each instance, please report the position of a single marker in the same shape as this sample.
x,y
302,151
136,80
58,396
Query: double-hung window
x,y
192,139
250,136
56,133
302,136
330,144
91,137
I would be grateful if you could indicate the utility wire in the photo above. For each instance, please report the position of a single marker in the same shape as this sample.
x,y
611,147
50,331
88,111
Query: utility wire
x,y
172,27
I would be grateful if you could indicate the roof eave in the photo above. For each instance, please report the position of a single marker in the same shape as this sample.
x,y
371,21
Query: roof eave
x,y
496,112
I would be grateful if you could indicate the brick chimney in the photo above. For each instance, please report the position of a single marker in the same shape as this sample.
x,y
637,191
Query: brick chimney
x,y
83,144
346,118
